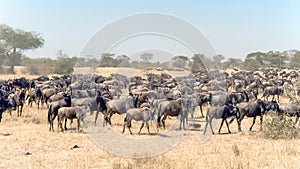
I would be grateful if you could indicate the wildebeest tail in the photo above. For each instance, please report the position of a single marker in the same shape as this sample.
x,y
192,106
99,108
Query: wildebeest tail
x,y
159,114
27,97
231,120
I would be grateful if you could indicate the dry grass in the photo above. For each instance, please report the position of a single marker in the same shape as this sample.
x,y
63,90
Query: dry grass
x,y
27,143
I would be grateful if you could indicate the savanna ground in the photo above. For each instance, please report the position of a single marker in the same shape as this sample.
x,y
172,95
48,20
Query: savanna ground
x,y
25,142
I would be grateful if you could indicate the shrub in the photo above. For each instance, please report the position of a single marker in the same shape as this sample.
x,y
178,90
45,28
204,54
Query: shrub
x,y
278,128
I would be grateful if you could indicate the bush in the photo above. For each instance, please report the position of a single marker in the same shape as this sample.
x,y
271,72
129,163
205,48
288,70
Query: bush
x,y
65,65
278,128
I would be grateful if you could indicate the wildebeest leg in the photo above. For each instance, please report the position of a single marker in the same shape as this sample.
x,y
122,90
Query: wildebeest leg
x,y
78,124
66,124
21,110
212,131
239,121
147,125
51,122
227,126
201,110
84,123
96,117
38,103
129,126
182,121
163,120
221,125
141,128
18,110
254,118
261,122
205,125
125,124
60,121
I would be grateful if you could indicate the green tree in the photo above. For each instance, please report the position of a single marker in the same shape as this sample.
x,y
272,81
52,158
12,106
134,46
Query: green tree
x,y
217,61
276,59
146,57
251,64
124,61
180,61
295,60
13,42
109,60
258,56
231,62
65,64
199,62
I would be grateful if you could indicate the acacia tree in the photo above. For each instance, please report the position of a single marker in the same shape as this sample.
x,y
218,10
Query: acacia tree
x,y
260,57
180,61
13,42
146,57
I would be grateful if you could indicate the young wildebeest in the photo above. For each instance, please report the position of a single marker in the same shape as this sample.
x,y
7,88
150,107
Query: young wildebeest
x,y
54,106
171,108
71,113
36,96
220,112
20,100
138,114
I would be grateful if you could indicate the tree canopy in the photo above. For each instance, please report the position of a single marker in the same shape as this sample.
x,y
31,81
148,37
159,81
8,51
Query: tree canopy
x,y
13,42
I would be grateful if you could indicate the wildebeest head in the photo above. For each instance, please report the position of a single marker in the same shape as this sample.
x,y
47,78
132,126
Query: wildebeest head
x,y
234,111
131,101
7,103
10,102
272,105
150,111
67,98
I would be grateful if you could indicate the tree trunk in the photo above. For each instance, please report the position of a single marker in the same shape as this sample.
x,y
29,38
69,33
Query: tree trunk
x,y
12,62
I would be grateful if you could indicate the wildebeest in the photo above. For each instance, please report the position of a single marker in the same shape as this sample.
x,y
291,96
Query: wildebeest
x,y
54,106
201,100
237,97
254,109
138,114
71,113
6,102
47,93
101,107
171,108
36,96
220,112
119,106
272,90
290,110
20,101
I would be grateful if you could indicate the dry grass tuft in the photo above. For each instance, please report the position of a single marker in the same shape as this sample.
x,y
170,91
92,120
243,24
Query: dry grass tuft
x,y
278,128
235,150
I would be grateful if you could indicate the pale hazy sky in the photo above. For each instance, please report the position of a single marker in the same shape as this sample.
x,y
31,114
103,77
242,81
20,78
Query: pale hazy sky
x,y
234,28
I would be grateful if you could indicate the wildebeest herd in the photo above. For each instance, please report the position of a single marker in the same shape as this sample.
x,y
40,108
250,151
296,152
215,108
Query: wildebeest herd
x,y
152,96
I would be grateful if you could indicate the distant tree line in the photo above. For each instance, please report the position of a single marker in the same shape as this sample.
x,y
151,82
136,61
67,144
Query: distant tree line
x,y
14,42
